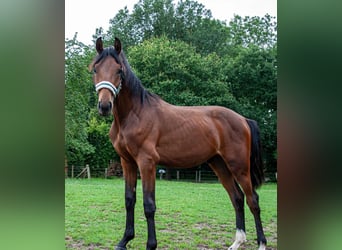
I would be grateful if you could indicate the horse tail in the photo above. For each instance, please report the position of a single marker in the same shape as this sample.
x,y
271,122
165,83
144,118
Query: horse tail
x,y
256,165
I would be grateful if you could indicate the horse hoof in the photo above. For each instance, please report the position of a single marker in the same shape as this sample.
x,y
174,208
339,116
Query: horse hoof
x,y
262,246
120,248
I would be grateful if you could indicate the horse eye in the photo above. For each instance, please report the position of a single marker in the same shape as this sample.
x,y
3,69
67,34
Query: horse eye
x,y
94,70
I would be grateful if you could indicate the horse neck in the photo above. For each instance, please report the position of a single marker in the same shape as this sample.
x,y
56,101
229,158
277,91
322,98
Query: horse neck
x,y
123,106
129,98
125,103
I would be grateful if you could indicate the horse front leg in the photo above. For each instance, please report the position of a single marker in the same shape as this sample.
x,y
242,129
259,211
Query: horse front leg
x,y
130,174
149,209
148,178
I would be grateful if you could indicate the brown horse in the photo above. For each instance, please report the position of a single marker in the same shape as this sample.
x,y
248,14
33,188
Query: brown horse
x,y
147,131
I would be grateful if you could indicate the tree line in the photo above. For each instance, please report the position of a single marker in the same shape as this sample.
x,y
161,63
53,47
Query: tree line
x,y
180,52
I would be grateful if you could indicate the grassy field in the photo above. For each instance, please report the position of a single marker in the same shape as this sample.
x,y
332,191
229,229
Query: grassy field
x,y
189,215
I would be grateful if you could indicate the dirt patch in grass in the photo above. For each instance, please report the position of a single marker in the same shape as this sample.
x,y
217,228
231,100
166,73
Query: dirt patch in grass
x,y
204,247
80,245
70,243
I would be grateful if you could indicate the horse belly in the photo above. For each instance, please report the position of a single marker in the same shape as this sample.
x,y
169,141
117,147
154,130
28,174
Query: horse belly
x,y
183,154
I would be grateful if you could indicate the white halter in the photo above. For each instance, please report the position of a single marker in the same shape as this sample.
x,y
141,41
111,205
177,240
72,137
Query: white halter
x,y
108,85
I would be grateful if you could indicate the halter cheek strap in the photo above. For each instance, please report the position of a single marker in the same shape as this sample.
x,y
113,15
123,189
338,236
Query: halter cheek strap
x,y
108,85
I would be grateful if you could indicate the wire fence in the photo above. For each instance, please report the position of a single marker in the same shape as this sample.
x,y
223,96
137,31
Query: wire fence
x,y
196,174
191,174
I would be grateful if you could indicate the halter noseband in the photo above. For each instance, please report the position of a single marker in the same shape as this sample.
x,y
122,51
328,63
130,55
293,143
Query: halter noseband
x,y
110,86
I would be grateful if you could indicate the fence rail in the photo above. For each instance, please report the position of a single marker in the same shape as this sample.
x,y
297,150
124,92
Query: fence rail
x,y
77,171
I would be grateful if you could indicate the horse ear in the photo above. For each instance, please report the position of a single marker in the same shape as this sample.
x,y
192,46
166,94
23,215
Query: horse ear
x,y
99,45
117,45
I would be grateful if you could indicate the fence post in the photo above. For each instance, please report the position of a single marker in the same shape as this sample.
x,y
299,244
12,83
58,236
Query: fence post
x,y
88,171
177,175
72,171
199,176
106,173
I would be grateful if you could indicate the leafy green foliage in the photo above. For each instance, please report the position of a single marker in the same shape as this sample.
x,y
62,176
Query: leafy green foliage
x,y
252,74
77,100
97,130
252,77
187,21
179,75
259,31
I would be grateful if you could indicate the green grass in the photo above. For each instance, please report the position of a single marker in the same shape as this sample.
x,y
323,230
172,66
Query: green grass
x,y
189,215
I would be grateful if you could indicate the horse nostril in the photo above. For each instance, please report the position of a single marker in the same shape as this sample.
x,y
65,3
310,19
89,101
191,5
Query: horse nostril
x,y
104,108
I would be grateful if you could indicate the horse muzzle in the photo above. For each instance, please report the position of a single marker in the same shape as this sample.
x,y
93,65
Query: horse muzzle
x,y
105,108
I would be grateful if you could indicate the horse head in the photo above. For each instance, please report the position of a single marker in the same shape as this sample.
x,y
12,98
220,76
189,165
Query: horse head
x,y
107,75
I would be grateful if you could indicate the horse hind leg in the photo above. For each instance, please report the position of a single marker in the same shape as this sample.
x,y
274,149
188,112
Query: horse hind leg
x,y
260,232
236,196
240,235
252,199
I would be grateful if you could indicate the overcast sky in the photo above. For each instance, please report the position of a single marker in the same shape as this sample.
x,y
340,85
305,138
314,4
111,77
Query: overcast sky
x,y
84,16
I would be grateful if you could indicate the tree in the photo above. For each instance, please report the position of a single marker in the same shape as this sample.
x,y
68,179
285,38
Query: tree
x,y
252,74
77,99
195,25
180,75
252,77
259,31
122,26
187,21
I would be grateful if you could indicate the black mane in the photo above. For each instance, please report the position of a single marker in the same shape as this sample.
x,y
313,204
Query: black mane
x,y
130,80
